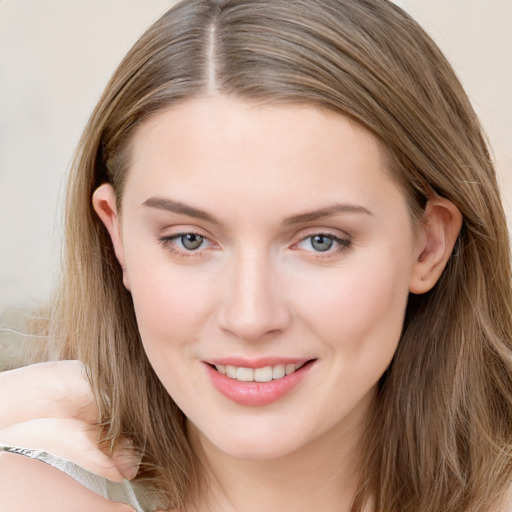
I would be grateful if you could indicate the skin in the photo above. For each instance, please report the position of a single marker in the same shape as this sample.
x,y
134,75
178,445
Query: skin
x,y
43,399
28,485
258,287
50,406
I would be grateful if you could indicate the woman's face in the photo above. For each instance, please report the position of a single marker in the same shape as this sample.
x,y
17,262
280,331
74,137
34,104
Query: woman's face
x,y
255,239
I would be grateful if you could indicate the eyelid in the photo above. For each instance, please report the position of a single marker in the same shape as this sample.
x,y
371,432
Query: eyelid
x,y
177,230
329,232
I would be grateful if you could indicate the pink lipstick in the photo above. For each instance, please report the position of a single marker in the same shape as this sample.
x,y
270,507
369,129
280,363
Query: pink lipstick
x,y
256,382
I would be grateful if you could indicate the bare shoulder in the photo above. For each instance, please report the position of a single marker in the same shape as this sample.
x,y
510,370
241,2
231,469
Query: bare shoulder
x,y
27,485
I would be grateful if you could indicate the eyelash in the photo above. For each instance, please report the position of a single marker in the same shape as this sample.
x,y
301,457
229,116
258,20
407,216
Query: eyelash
x,y
169,241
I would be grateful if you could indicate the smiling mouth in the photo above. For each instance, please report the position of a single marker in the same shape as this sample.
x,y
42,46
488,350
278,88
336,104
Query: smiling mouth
x,y
266,382
264,374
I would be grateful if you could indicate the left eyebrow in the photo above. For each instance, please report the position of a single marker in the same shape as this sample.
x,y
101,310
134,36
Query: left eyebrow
x,y
326,212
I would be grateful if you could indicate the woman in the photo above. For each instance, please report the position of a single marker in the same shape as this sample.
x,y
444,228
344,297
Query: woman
x,y
287,269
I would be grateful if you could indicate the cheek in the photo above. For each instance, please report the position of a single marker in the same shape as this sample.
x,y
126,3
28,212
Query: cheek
x,y
358,309
356,317
171,304
172,309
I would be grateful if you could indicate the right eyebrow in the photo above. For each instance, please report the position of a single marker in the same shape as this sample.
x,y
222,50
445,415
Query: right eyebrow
x,y
170,205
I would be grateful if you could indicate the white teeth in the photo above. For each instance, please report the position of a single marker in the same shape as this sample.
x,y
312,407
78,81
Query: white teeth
x,y
231,371
290,368
265,374
278,371
245,374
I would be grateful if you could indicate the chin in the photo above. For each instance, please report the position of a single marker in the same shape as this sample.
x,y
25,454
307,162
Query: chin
x,y
251,450
249,443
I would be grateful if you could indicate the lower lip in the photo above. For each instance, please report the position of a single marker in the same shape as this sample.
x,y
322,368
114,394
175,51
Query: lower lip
x,y
256,393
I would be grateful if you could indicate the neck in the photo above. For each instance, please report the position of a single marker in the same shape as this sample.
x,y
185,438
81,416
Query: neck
x,y
322,475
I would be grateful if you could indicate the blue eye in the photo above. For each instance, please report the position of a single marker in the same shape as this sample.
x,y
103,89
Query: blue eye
x,y
323,243
190,241
185,243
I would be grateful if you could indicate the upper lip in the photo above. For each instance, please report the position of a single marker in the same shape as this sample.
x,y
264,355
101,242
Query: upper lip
x,y
260,362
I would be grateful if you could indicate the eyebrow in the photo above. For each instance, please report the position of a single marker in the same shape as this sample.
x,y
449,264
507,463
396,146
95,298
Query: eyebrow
x,y
170,205
326,212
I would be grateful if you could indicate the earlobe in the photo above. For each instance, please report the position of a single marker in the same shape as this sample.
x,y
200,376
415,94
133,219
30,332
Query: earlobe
x,y
438,233
105,205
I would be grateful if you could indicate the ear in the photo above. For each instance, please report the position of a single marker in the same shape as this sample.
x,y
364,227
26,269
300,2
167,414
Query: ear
x,y
105,205
439,230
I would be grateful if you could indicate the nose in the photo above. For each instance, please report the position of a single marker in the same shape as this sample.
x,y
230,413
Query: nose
x,y
254,303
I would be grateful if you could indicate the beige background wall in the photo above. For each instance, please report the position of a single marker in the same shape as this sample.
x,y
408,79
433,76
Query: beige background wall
x,y
57,55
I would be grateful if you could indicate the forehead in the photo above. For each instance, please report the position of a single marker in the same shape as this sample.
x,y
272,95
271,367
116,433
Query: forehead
x,y
222,148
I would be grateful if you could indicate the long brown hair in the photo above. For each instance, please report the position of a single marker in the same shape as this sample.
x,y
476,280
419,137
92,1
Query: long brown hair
x,y
441,437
